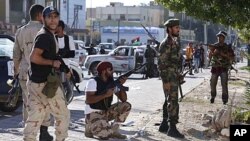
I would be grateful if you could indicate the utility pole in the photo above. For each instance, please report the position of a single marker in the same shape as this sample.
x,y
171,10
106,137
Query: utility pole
x,y
205,42
118,32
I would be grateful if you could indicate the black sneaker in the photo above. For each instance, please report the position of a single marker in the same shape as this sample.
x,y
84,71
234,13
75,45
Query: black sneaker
x,y
212,100
173,132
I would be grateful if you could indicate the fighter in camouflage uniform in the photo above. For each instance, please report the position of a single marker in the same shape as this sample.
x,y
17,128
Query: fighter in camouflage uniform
x,y
45,93
99,110
23,44
220,61
169,65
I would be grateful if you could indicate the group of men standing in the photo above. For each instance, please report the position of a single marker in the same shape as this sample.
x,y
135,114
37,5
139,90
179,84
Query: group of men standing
x,y
35,60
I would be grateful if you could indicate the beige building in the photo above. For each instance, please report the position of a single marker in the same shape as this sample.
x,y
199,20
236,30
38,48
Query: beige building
x,y
147,15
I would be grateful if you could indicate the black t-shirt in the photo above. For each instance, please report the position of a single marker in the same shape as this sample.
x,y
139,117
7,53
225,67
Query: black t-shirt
x,y
44,40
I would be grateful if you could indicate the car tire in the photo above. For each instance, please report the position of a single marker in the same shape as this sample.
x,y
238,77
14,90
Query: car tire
x,y
6,108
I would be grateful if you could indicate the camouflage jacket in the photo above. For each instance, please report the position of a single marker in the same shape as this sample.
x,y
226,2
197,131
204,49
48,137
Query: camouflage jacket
x,y
218,60
170,56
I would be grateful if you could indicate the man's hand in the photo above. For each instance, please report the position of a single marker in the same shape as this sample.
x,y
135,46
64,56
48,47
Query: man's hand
x,y
109,92
56,64
123,80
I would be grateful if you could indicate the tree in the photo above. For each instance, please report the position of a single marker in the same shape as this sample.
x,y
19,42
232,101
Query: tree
x,y
233,13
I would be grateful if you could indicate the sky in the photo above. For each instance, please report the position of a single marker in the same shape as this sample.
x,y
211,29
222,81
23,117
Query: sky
x,y
104,3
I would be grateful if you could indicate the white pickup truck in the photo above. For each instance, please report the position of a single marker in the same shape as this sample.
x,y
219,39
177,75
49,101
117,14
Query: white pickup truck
x,y
123,59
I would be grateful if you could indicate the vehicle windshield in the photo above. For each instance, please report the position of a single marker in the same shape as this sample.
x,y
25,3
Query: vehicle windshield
x,y
6,47
106,46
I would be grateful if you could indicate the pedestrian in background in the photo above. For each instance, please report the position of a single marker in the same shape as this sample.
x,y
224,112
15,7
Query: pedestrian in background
x,y
169,65
45,93
150,54
24,41
99,109
65,43
197,58
189,57
220,62
91,50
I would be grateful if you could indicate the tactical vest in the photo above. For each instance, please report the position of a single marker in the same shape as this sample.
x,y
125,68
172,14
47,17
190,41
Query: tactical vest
x,y
101,87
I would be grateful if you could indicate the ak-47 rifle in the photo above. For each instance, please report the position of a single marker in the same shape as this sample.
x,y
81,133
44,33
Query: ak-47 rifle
x,y
117,83
65,68
151,36
181,81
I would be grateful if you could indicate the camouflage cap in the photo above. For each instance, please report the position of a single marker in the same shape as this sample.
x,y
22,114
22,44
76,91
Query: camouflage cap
x,y
171,22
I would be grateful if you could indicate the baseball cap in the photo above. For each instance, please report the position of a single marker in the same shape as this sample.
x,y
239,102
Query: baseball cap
x,y
48,10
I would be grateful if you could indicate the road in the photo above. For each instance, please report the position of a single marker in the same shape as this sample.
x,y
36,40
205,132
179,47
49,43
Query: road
x,y
145,95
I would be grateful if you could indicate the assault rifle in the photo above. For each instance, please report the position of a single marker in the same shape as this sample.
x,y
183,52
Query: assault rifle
x,y
181,81
65,68
117,83
151,36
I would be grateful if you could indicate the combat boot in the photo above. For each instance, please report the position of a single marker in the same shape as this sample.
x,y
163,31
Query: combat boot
x,y
164,126
173,132
44,134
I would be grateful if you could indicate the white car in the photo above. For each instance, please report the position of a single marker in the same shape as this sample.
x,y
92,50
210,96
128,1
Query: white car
x,y
123,59
108,47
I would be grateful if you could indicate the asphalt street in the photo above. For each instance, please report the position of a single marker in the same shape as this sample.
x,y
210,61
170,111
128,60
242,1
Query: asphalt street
x,y
145,95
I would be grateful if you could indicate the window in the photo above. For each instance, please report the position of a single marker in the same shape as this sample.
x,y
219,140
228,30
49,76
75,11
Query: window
x,y
109,16
122,17
16,5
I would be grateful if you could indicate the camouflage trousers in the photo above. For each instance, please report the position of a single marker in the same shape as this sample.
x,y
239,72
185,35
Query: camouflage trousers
x,y
38,105
46,121
224,84
98,122
170,89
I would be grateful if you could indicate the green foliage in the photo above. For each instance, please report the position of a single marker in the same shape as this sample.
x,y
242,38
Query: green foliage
x,y
233,13
241,116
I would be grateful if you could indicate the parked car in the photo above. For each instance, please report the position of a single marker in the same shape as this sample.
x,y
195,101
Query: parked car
x,y
123,59
7,72
108,47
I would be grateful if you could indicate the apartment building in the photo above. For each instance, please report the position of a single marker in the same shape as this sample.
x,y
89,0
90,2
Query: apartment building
x,y
14,13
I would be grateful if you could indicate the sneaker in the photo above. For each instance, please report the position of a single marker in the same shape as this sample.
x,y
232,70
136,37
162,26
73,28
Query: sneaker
x,y
212,100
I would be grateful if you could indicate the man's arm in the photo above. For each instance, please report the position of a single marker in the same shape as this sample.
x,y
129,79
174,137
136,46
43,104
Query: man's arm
x,y
36,58
17,53
122,95
92,98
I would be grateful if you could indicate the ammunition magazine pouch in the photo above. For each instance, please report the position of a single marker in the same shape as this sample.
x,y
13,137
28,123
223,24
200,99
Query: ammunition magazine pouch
x,y
53,82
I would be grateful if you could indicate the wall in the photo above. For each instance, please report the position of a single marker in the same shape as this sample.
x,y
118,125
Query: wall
x,y
67,12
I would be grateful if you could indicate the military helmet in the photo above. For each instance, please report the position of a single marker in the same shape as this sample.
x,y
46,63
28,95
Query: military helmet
x,y
223,33
171,22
